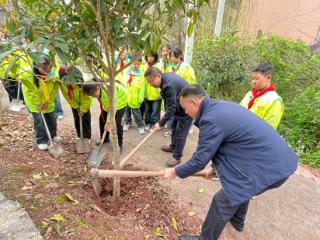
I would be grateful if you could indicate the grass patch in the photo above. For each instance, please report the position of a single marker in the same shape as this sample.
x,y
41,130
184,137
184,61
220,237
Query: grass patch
x,y
312,159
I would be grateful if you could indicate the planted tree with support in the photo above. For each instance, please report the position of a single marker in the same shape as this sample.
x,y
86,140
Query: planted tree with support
x,y
91,31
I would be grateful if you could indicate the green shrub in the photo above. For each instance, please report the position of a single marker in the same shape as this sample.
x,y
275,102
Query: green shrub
x,y
222,67
311,159
301,123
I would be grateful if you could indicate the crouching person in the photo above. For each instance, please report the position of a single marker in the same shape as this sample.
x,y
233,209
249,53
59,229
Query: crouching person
x,y
80,103
238,155
100,92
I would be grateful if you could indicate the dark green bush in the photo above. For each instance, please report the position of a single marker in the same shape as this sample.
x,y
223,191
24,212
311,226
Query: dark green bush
x,y
301,123
222,67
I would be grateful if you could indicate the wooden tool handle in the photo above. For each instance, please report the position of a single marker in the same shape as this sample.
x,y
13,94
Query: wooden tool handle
x,y
124,173
124,161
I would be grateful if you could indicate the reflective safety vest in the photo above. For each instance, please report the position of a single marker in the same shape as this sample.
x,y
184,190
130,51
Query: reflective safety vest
x,y
135,83
269,107
185,71
121,98
76,98
152,93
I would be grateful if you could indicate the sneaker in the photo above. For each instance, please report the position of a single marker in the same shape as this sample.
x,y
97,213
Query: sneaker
x,y
166,148
141,130
147,127
167,134
172,162
126,127
57,138
43,146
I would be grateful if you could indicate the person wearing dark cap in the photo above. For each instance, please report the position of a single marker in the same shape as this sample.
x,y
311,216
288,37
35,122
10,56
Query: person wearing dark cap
x,y
171,84
247,154
79,102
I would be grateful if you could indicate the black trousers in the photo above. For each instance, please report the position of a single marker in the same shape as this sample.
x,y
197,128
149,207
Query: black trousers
x,y
143,109
12,89
220,213
86,123
39,128
180,131
103,119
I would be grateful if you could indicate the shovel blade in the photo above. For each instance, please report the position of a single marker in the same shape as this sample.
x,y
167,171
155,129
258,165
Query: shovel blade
x,y
83,146
55,150
96,157
15,105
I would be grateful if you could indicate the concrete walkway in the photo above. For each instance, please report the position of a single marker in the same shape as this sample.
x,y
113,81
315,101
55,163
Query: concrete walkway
x,y
15,223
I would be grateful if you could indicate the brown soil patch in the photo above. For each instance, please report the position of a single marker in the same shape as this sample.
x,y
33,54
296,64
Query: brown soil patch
x,y
58,195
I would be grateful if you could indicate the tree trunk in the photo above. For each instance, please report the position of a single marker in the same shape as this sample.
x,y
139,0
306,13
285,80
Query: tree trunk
x,y
114,136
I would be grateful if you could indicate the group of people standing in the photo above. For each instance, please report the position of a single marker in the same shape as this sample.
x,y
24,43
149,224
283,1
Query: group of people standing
x,y
135,97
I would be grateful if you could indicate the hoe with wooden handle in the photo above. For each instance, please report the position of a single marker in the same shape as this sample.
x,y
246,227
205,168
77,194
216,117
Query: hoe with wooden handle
x,y
99,173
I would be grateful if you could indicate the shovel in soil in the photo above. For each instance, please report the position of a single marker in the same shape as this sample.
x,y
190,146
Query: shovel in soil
x,y
82,144
16,104
55,150
98,154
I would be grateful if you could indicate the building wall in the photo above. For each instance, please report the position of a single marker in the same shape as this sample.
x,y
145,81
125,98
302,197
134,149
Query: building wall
x,y
298,19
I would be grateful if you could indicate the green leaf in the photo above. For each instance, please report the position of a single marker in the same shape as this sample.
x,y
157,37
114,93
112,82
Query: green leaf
x,y
10,26
12,66
62,55
57,227
190,29
3,3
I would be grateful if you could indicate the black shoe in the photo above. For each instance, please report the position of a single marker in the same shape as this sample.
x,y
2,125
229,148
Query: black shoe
x,y
187,237
237,226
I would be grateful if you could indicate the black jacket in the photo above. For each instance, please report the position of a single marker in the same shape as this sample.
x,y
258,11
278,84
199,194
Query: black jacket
x,y
171,85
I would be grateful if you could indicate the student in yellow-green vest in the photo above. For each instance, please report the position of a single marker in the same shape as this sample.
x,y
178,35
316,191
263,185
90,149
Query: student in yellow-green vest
x,y
152,96
9,79
165,61
79,102
263,99
39,90
180,67
100,92
135,84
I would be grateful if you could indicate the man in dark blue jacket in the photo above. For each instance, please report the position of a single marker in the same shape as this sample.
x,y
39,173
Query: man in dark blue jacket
x,y
171,84
247,154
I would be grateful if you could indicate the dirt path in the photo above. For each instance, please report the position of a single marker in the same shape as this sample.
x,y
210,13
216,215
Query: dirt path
x,y
290,212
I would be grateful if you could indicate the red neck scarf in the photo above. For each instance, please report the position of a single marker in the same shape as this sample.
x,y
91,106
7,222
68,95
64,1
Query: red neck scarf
x,y
174,69
149,65
256,94
121,62
70,92
130,79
